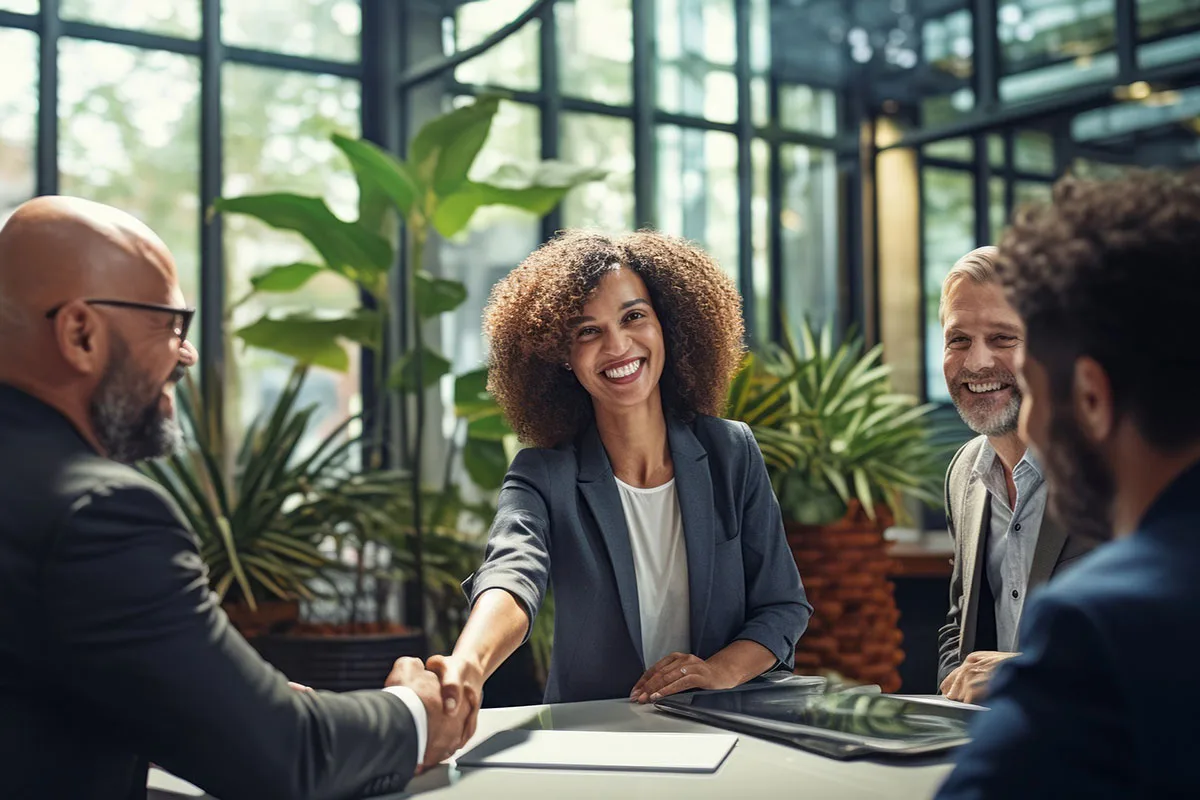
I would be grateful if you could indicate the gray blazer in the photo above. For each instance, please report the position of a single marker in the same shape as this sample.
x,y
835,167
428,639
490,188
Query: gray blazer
x,y
560,521
968,519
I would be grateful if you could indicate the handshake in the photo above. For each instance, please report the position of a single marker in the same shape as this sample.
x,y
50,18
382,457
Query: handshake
x,y
451,689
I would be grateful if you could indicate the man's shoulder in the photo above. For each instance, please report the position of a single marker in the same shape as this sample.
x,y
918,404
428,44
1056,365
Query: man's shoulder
x,y
964,460
1132,584
81,474
49,480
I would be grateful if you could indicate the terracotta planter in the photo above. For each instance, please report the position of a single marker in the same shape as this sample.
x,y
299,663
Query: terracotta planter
x,y
267,617
845,568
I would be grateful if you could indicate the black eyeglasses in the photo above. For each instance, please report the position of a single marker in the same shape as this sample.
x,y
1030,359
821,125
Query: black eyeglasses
x,y
181,326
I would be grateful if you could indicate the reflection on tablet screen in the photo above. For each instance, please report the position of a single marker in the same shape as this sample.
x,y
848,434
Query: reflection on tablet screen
x,y
868,715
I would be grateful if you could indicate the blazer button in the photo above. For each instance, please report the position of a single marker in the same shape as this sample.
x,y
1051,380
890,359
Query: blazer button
x,y
1015,594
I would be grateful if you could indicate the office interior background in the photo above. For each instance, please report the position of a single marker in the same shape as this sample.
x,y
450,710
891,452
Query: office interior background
x,y
835,156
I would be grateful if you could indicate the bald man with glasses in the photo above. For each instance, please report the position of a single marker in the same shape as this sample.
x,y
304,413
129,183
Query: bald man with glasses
x,y
114,652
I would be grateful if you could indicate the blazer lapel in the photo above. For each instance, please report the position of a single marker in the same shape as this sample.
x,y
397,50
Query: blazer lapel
x,y
972,533
693,486
1050,541
599,489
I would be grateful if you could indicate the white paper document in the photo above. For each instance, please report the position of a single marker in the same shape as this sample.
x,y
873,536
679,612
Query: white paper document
x,y
164,782
602,750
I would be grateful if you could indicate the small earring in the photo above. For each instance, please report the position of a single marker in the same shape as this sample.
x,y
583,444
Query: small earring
x,y
567,367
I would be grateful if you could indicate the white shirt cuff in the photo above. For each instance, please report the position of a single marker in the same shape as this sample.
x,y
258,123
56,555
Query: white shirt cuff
x,y
417,708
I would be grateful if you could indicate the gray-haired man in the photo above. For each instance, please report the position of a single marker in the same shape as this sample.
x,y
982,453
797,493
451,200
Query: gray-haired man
x,y
1004,546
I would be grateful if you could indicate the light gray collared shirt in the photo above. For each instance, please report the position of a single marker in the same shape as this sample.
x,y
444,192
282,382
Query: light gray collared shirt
x,y
1012,537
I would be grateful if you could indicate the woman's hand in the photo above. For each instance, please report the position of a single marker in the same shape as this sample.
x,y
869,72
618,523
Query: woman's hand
x,y
462,690
679,672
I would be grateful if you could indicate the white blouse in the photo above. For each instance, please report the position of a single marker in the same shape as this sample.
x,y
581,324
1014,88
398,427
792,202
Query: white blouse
x,y
660,564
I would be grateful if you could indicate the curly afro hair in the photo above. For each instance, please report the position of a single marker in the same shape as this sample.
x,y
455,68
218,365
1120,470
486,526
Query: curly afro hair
x,y
1109,270
526,324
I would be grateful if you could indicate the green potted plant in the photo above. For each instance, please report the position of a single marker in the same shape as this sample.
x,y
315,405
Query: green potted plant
x,y
268,519
431,193
847,455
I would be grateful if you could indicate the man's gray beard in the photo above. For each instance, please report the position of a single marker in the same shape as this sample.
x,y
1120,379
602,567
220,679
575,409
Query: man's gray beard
x,y
126,415
993,423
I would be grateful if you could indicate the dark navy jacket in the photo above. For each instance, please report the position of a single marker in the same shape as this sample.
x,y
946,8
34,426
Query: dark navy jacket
x,y
1103,702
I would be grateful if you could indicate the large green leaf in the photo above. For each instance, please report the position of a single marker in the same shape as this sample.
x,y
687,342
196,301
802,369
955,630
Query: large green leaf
x,y
404,372
471,395
379,169
444,148
486,462
437,295
353,250
287,278
314,341
490,428
536,188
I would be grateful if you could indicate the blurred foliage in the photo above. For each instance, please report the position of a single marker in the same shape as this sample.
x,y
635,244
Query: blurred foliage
x,y
831,428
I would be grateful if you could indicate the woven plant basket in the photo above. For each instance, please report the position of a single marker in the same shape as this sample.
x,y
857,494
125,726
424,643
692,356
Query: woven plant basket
x,y
854,629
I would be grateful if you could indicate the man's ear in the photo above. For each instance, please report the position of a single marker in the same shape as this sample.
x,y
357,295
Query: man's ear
x,y
1092,398
81,337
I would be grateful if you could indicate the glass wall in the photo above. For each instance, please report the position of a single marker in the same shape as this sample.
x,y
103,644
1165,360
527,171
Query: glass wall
x,y
1047,47
1045,51
18,118
733,147
129,96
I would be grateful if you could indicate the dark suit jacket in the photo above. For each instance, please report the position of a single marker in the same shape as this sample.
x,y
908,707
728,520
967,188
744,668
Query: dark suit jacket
x,y
560,519
968,518
113,651
1091,708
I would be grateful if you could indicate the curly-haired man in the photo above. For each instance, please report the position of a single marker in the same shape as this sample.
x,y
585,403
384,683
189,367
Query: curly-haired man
x,y
1101,702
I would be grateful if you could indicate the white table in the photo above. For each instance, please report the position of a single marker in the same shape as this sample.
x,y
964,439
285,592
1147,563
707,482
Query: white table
x,y
755,768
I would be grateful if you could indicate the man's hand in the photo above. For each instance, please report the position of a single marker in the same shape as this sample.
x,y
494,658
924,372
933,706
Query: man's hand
x,y
445,730
462,690
676,673
968,683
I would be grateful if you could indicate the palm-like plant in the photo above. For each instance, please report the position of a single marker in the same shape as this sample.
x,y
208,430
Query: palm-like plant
x,y
261,524
832,430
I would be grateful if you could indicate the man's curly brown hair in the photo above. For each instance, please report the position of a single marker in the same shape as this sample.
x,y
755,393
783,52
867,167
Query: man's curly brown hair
x,y
526,318
1111,270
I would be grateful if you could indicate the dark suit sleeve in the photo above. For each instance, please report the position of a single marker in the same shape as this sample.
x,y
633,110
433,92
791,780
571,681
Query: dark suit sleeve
x,y
1053,728
517,557
138,638
777,610
949,634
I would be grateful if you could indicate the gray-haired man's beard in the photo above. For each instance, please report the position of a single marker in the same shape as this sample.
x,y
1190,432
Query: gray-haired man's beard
x,y
986,418
127,415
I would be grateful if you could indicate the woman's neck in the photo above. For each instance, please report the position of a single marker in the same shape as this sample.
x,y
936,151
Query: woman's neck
x,y
635,439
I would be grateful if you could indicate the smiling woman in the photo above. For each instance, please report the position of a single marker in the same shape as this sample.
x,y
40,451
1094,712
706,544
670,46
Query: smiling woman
x,y
670,566
535,324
